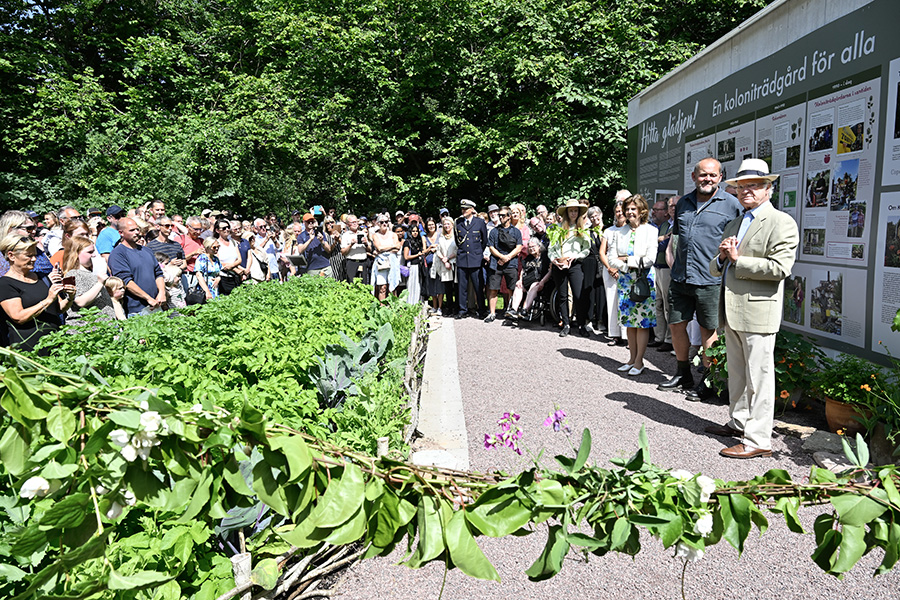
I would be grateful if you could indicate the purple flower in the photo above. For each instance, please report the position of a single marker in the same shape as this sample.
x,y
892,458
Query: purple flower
x,y
509,435
557,420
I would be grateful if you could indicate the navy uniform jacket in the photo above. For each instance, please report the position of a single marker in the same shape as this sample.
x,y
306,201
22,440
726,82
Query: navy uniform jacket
x,y
470,242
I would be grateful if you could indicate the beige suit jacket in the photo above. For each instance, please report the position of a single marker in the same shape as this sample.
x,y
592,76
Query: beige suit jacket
x,y
752,289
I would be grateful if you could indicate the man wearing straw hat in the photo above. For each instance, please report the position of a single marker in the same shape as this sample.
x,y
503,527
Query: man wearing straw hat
x,y
755,256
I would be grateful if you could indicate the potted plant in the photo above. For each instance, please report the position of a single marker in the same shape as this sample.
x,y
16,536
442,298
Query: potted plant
x,y
796,367
796,361
882,399
846,383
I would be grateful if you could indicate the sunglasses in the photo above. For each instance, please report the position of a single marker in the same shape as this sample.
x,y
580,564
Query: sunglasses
x,y
27,228
504,215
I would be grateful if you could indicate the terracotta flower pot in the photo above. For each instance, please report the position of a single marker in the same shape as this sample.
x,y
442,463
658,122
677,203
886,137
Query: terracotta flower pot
x,y
840,417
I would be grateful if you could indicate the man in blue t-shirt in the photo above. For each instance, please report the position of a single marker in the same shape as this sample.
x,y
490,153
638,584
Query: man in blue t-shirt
x,y
145,287
315,246
109,237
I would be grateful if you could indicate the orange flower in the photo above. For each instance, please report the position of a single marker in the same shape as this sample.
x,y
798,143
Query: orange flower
x,y
785,394
790,365
873,375
781,361
866,387
840,432
715,361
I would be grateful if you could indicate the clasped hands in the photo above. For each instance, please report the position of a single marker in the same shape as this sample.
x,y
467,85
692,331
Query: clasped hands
x,y
728,250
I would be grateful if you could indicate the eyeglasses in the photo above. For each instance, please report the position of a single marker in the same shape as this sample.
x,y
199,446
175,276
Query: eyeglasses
x,y
750,186
502,215
26,227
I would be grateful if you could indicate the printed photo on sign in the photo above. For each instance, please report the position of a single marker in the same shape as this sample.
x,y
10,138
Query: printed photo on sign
x,y
843,186
826,301
822,138
794,300
892,243
817,188
814,242
857,223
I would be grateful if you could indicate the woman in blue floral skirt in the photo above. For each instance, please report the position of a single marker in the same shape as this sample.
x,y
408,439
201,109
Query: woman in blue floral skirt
x,y
634,248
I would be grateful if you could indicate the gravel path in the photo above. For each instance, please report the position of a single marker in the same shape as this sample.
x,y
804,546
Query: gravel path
x,y
531,370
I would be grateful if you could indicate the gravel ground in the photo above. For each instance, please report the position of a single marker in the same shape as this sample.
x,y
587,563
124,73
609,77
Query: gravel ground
x,y
531,370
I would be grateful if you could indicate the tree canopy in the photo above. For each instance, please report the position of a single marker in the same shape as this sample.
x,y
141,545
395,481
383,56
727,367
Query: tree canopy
x,y
258,105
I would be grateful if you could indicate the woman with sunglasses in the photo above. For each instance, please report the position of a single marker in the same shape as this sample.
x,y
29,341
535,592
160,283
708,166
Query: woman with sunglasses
x,y
568,247
631,250
229,256
386,268
504,245
19,223
31,308
208,268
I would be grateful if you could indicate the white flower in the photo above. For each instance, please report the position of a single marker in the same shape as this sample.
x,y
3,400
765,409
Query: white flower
x,y
129,453
36,486
682,475
704,524
145,405
151,421
119,437
143,442
707,487
115,509
197,408
129,498
101,490
682,550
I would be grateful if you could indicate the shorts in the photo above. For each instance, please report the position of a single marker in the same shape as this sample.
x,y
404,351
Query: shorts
x,y
511,275
686,299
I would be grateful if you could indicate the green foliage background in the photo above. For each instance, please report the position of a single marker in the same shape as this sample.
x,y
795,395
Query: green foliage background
x,y
261,105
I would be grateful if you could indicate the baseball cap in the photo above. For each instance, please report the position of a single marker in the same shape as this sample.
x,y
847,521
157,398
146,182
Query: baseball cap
x,y
308,217
114,211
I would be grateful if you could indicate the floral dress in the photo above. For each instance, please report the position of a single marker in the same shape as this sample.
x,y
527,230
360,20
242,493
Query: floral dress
x,y
636,314
209,269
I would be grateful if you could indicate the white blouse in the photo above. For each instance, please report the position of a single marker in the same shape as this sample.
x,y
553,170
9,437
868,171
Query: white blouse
x,y
645,246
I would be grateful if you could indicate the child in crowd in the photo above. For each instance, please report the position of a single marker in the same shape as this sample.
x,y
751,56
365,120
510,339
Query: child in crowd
x,y
175,295
116,289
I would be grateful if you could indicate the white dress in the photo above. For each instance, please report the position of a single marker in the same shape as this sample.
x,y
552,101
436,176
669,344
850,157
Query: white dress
x,y
446,247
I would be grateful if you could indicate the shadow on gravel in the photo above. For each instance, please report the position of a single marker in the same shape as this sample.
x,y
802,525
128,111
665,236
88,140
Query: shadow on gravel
x,y
650,376
661,412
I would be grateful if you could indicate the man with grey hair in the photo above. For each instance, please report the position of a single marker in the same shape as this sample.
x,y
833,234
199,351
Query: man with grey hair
x,y
53,240
754,258
265,241
542,213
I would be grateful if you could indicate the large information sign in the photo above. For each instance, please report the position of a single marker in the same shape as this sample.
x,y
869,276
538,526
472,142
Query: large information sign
x,y
823,112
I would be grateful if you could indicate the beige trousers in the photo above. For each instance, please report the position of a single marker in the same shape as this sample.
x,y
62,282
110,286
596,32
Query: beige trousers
x,y
751,385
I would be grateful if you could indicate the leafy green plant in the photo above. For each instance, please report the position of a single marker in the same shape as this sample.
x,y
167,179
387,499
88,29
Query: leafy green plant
x,y
119,494
846,379
265,342
796,364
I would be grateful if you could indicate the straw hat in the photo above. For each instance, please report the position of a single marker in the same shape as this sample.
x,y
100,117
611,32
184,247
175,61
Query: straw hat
x,y
562,210
752,168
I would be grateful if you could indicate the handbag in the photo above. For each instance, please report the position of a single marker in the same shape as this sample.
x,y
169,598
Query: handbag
x,y
195,296
640,286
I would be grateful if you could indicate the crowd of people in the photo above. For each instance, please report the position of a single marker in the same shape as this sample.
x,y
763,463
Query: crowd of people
x,y
652,276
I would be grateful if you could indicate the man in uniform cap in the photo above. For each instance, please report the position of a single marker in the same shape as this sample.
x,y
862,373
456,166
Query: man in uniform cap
x,y
471,239
755,256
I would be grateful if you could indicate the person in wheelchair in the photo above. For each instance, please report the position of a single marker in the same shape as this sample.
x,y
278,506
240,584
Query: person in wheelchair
x,y
534,276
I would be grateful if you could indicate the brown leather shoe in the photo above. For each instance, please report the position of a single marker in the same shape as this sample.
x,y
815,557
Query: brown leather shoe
x,y
742,451
724,431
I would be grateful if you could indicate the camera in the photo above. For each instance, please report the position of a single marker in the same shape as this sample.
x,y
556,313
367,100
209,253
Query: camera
x,y
359,238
